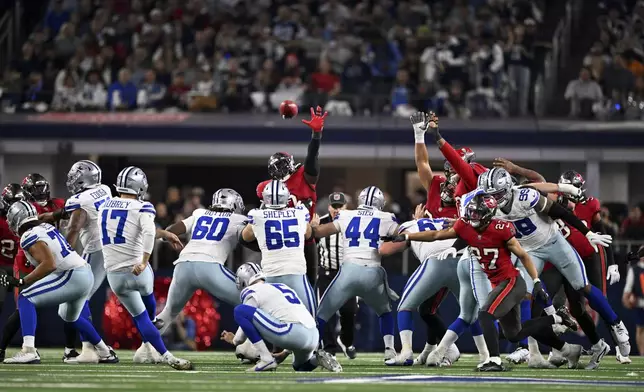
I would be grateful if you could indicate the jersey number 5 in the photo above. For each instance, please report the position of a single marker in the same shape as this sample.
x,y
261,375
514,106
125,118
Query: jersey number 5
x,y
486,252
121,215
288,293
370,232
281,234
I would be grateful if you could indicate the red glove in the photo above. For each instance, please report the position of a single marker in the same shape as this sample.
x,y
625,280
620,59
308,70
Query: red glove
x,y
316,123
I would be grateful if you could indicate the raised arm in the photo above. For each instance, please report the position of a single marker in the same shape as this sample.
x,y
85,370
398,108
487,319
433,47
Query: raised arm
x,y
311,164
512,168
419,122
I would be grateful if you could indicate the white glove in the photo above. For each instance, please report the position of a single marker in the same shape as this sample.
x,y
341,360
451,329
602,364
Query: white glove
x,y
599,239
569,189
447,253
419,121
612,274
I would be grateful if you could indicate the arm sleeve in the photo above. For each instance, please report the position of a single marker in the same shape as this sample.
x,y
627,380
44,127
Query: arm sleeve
x,y
630,279
148,231
462,168
240,337
557,211
311,164
459,244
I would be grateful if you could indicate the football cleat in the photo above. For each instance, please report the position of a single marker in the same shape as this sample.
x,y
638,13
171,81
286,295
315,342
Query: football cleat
x,y
519,356
281,356
71,356
421,359
328,361
3,354
87,355
556,358
620,358
598,351
435,358
143,355
491,366
536,361
567,319
349,352
620,336
110,358
263,366
402,359
390,353
571,352
183,364
453,354
247,353
24,357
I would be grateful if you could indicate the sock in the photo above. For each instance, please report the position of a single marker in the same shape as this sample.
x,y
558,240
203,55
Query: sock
x,y
262,350
243,317
479,341
429,348
449,338
150,305
29,341
525,316
102,349
387,328
389,341
475,328
435,327
600,304
87,331
149,332
490,333
550,310
167,356
406,340
28,317
70,336
10,329
405,320
533,346
87,315
457,327
87,345
321,325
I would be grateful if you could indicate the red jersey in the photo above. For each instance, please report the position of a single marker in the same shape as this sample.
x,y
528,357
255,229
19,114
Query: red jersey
x,y
490,248
9,243
434,204
300,190
587,210
52,205
576,239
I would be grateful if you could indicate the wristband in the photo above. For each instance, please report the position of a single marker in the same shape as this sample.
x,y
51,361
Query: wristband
x,y
437,134
419,138
536,280
407,237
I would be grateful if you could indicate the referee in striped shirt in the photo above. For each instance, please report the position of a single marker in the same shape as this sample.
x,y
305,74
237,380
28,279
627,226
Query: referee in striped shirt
x,y
330,253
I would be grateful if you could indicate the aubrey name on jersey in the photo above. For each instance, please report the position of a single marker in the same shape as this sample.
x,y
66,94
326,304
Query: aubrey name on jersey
x,y
280,236
279,301
426,250
127,230
362,229
90,200
211,235
65,257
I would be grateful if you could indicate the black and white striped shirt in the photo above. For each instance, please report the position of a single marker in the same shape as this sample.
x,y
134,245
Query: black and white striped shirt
x,y
330,249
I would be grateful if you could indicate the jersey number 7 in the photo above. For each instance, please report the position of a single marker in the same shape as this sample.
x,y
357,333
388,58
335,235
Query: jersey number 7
x,y
121,215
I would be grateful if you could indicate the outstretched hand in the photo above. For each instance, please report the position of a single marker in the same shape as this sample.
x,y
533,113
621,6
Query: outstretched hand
x,y
316,123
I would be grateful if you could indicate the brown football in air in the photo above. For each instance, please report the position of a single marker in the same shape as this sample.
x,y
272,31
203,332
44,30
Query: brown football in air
x,y
288,109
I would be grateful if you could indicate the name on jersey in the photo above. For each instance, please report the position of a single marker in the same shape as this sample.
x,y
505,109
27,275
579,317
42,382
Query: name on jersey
x,y
218,213
98,193
365,213
117,204
271,214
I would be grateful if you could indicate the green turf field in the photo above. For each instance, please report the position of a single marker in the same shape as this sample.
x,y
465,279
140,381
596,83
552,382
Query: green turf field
x,y
218,371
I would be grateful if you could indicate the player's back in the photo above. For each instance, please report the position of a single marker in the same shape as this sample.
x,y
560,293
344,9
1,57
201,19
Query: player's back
x,y
361,230
212,235
90,200
426,250
533,230
65,257
281,235
9,243
280,301
489,247
122,231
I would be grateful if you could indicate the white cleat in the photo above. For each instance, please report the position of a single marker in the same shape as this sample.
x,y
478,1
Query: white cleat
x,y
620,336
422,358
143,355
402,359
624,360
597,351
453,354
571,352
156,357
390,353
556,358
328,361
24,357
519,356
247,353
181,364
88,355
263,366
435,358
536,361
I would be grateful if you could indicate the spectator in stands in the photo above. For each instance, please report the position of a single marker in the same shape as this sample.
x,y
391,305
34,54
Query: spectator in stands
x,y
181,335
618,79
66,96
28,62
323,84
66,42
202,97
583,93
611,227
178,92
596,61
162,219
173,201
633,226
356,80
104,70
122,94
151,93
92,95
401,95
10,90
520,57
56,17
193,202
266,81
488,59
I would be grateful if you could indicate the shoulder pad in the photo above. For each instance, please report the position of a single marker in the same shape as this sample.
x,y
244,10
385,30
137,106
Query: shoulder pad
x,y
245,293
406,226
73,203
148,207
28,238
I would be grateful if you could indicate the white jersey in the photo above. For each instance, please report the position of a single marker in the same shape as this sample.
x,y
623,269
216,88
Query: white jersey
x,y
280,235
426,250
533,229
128,231
212,235
90,200
65,257
362,229
278,300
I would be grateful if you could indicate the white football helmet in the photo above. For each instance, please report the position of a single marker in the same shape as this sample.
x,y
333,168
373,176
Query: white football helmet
x,y
498,183
276,195
247,274
372,196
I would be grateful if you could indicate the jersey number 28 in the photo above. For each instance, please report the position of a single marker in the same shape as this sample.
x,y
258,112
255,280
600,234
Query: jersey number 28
x,y
371,232
281,234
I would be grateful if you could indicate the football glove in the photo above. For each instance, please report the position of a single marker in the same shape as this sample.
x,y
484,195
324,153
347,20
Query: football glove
x,y
447,253
394,238
632,257
570,189
599,239
612,274
7,280
419,121
539,292
433,125
316,123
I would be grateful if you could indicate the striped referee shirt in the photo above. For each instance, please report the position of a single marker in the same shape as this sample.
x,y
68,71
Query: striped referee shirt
x,y
330,249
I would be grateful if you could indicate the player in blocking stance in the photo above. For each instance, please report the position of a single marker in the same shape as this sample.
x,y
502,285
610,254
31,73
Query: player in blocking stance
x,y
491,242
275,313
61,277
361,273
128,232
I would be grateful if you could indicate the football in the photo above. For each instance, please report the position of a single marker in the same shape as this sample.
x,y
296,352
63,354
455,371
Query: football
x,y
288,109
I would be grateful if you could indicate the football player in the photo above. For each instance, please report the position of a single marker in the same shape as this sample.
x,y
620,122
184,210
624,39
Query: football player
x,y
361,274
301,181
429,278
275,313
213,234
492,241
61,277
128,232
532,215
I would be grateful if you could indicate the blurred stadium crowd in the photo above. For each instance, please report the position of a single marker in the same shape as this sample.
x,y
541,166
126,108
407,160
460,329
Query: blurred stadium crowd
x,y
460,58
